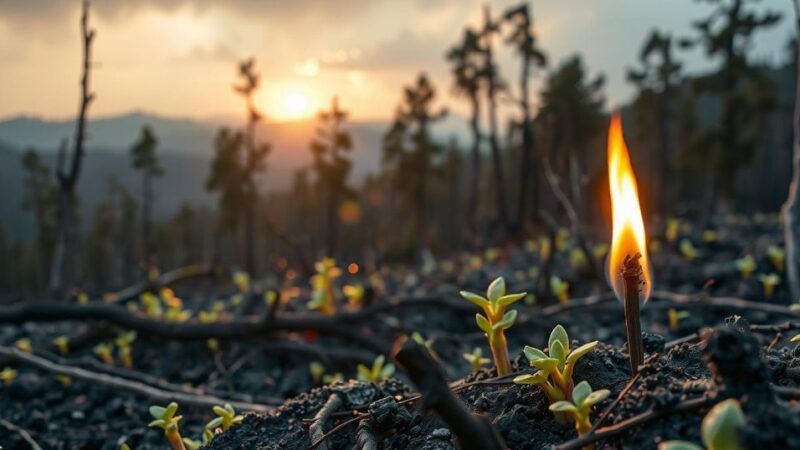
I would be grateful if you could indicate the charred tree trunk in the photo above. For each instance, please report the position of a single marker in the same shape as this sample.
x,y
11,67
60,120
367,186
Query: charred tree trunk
x,y
68,179
664,145
526,174
474,188
249,209
147,198
791,209
491,97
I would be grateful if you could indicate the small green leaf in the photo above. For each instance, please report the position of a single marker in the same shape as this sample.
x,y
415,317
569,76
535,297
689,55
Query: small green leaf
x,y
533,353
537,378
158,423
483,323
214,423
563,406
157,411
719,428
558,334
388,370
678,445
496,290
545,364
558,352
596,397
511,298
580,392
580,351
476,299
218,410
796,338
363,372
506,322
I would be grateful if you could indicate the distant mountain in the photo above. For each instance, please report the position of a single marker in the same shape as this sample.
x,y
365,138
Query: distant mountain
x,y
185,149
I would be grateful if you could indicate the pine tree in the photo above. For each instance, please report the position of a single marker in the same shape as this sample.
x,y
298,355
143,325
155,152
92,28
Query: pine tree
x,y
145,160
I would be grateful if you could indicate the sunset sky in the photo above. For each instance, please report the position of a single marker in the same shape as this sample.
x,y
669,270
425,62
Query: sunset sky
x,y
178,57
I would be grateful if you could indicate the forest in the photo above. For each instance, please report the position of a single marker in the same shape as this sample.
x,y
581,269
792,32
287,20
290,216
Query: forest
x,y
508,261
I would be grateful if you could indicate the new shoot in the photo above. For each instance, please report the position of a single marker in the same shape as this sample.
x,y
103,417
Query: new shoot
x,y
580,408
378,372
166,419
496,320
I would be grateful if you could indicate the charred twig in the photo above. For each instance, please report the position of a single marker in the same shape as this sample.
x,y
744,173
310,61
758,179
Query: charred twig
x,y
166,279
619,398
317,429
632,274
365,437
768,328
135,387
21,432
472,432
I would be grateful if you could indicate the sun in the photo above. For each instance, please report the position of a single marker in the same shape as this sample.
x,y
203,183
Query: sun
x,y
295,105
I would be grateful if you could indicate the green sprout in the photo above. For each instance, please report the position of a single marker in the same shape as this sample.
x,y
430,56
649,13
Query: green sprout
x,y
777,256
673,228
103,350
559,288
226,418
580,408
379,371
427,343
152,304
317,370
124,446
62,344
710,236
718,430
746,265
796,338
496,320
476,359
242,281
323,295
554,374
124,342
768,283
8,375
577,258
24,344
166,419
688,250
354,294
675,317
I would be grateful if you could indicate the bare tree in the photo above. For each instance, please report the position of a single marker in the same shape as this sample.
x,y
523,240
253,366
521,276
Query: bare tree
x,y
791,209
68,176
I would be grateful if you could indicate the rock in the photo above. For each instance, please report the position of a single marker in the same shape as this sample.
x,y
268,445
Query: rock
x,y
441,433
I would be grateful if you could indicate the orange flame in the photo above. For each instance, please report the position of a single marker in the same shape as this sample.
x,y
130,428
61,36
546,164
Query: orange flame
x,y
628,236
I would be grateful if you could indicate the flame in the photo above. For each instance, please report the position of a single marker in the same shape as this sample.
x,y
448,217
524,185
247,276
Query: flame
x,y
628,236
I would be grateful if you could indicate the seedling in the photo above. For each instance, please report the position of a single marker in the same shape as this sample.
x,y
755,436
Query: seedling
x,y
559,288
544,248
710,236
207,316
62,344
166,419
242,281
226,418
270,296
675,317
24,344
213,345
577,259
354,294
427,343
688,250
64,380
379,371
152,305
655,246
8,375
600,250
777,256
476,359
331,379
124,342
561,239
124,446
554,374
796,338
746,265
323,295
768,283
316,369
496,320
673,228
103,350
718,431
580,408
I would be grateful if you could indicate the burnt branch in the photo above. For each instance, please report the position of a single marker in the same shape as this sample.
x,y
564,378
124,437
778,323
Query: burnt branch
x,y
473,432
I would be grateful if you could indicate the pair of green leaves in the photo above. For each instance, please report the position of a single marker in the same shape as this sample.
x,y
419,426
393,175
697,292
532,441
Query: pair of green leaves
x,y
561,358
379,371
494,306
583,399
226,418
165,417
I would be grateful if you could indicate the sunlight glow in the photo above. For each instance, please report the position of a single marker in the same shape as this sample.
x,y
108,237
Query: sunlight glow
x,y
296,105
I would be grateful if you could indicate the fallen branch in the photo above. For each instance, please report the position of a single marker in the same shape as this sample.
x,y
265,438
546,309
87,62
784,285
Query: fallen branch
x,y
317,429
21,432
473,432
156,394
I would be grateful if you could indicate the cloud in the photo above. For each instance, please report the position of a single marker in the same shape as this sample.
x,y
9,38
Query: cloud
x,y
406,49
215,52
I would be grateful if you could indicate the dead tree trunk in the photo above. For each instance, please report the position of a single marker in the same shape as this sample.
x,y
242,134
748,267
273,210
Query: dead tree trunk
x,y
474,187
791,209
491,94
68,178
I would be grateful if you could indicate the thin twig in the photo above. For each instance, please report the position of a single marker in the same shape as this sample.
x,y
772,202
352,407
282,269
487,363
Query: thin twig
x,y
136,387
21,432
317,429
